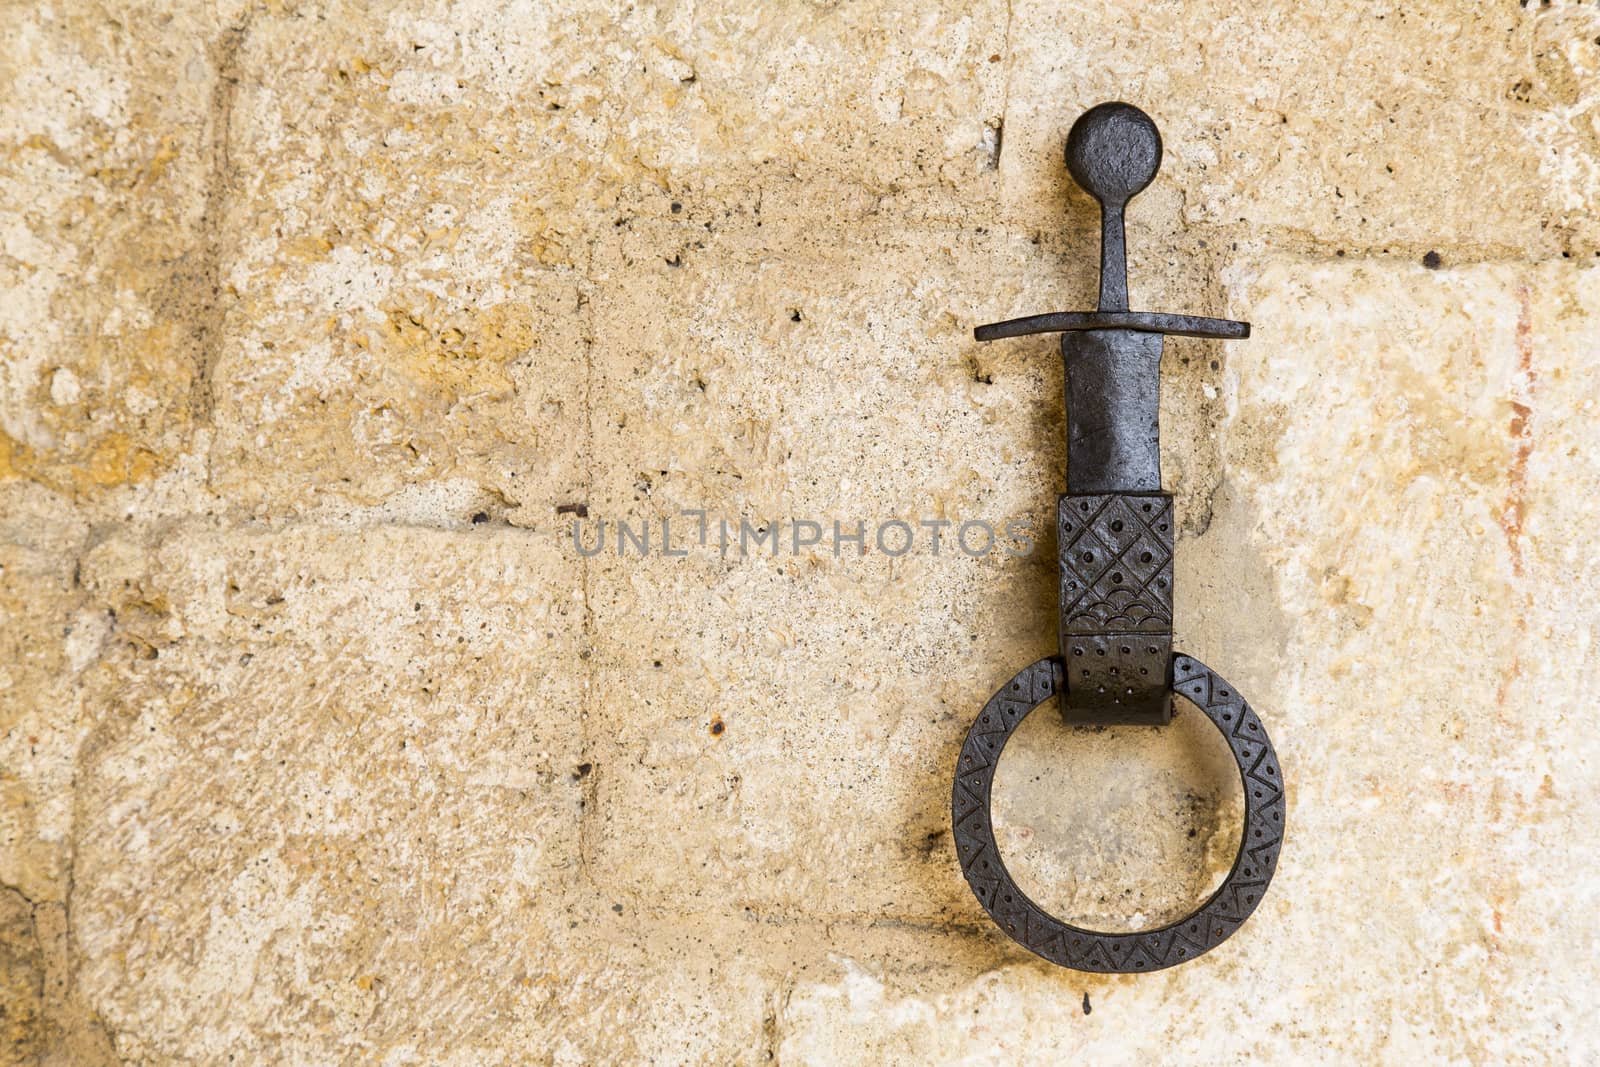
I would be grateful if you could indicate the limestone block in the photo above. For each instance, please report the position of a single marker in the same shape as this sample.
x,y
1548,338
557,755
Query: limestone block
x,y
334,774
107,137
1384,424
402,317
778,704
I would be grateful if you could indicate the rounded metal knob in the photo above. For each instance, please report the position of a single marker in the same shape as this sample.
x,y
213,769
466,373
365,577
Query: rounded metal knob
x,y
1113,152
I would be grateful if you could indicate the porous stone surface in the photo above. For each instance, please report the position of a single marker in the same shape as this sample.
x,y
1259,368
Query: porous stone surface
x,y
351,355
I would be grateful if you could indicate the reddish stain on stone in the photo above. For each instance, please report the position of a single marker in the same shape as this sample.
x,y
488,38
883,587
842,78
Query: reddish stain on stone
x,y
1524,386
1521,429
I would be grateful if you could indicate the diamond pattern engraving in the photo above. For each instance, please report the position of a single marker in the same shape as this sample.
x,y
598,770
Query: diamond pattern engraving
x,y
1116,605
1116,563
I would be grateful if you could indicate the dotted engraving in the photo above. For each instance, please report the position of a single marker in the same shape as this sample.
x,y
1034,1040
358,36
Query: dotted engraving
x,y
1088,950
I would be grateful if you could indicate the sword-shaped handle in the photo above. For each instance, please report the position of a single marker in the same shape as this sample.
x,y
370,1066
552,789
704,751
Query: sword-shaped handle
x,y
1115,524
1113,380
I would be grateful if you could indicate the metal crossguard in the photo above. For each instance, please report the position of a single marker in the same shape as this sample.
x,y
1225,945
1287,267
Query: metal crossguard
x,y
1116,535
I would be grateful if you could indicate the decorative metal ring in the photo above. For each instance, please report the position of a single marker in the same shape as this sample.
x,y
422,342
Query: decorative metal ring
x,y
1090,950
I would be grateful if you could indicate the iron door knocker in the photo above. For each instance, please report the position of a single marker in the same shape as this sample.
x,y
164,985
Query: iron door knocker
x,y
1116,662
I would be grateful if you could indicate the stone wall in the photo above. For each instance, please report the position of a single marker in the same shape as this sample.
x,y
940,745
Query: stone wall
x,y
322,327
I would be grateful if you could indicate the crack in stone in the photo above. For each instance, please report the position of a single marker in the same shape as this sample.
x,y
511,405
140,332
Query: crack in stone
x,y
65,1030
205,277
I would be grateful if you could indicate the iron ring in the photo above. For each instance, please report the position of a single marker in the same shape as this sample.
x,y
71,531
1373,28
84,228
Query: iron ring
x,y
1091,950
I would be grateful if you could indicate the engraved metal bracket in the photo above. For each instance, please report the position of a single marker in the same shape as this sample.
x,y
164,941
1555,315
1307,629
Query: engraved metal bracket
x,y
1116,606
1115,531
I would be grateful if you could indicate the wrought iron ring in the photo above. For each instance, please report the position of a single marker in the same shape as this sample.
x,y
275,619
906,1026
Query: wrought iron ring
x,y
1091,950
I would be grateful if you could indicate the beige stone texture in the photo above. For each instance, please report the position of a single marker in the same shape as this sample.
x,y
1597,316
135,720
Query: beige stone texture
x,y
326,328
